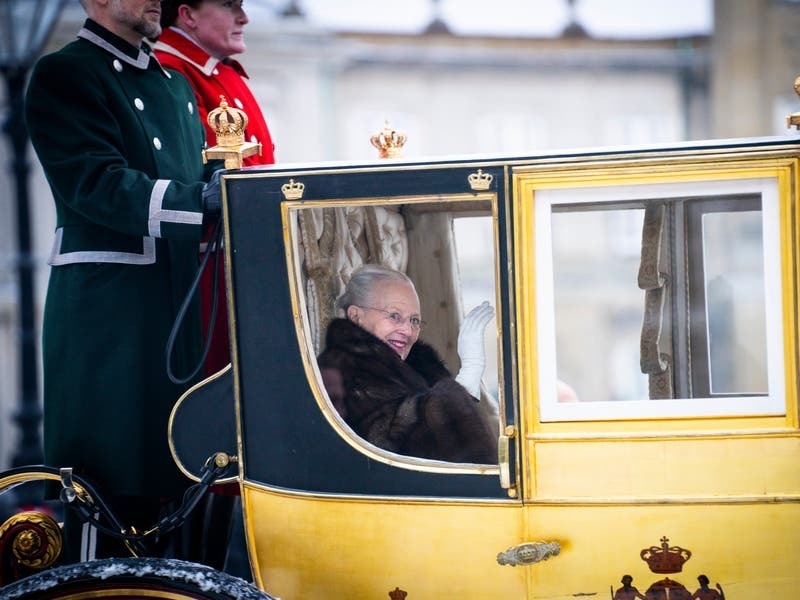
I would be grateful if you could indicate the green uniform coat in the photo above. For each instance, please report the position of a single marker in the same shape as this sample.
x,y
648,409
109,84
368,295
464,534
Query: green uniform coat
x,y
120,143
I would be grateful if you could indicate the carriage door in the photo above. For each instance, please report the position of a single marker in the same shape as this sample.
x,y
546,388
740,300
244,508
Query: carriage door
x,y
656,389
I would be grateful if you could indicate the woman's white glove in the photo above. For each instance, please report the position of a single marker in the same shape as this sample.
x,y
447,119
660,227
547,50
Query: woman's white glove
x,y
471,349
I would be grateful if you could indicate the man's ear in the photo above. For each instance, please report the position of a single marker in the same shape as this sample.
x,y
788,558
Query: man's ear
x,y
186,16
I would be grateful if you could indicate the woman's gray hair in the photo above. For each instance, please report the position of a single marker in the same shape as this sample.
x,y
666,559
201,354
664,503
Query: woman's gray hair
x,y
358,291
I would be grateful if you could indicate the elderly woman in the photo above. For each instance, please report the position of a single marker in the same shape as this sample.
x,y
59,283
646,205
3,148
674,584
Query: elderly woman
x,y
392,389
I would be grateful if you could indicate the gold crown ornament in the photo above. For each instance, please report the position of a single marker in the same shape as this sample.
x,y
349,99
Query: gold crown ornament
x,y
665,559
229,123
293,190
388,141
480,180
398,594
794,118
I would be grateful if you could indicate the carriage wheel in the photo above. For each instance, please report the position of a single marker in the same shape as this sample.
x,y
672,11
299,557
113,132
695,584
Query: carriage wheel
x,y
133,578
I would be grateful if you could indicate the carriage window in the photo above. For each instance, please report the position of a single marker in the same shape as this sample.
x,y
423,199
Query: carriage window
x,y
732,343
474,240
418,236
661,310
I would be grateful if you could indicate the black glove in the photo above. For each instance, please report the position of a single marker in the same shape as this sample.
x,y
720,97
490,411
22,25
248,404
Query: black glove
x,y
212,194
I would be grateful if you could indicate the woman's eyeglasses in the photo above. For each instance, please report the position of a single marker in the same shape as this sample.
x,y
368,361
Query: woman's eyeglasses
x,y
398,319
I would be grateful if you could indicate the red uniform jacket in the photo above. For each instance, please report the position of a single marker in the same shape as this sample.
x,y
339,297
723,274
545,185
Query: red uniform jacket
x,y
210,78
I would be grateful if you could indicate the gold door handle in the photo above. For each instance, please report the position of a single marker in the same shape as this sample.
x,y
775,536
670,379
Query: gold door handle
x,y
528,553
504,459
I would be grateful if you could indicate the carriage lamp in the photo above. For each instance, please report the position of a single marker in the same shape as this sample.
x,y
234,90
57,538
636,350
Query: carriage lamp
x,y
25,26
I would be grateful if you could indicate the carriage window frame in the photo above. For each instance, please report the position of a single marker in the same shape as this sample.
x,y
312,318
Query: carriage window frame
x,y
469,205
771,404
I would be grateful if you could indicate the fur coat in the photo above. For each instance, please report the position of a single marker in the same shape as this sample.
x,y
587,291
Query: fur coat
x,y
412,407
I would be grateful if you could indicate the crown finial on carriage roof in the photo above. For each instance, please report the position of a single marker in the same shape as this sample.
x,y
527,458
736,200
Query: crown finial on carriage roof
x,y
388,141
794,118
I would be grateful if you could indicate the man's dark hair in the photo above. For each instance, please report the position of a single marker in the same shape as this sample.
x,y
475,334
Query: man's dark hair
x,y
169,10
